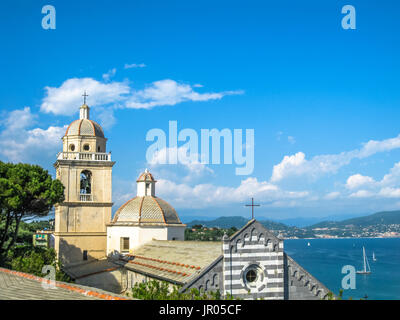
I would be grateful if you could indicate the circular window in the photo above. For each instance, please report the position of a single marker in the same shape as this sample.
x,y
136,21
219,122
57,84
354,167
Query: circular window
x,y
251,276
72,147
86,147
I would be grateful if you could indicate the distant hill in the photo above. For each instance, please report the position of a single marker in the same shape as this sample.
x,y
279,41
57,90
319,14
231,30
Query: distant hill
x,y
384,218
237,222
302,222
374,225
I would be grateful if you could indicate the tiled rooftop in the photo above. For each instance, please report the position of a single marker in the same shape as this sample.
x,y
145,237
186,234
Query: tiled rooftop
x,y
176,261
90,268
16,285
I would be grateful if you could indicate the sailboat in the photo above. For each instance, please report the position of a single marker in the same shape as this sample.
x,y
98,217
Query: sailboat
x,y
373,256
308,244
366,264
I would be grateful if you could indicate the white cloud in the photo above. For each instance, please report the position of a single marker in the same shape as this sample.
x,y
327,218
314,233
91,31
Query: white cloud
x,y
18,143
168,93
209,195
393,177
106,117
357,180
389,192
19,119
111,73
66,99
189,161
291,140
362,194
332,195
290,165
388,187
134,65
298,165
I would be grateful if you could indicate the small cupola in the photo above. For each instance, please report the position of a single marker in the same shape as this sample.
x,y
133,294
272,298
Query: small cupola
x,y
84,112
146,184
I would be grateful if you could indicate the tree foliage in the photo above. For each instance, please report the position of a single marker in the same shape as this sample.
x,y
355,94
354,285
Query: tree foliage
x,y
31,260
161,290
26,191
200,233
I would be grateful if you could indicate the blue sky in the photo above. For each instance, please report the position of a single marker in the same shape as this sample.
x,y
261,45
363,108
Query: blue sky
x,y
323,101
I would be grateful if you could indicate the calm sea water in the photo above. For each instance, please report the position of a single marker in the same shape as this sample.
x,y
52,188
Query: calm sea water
x,y
324,258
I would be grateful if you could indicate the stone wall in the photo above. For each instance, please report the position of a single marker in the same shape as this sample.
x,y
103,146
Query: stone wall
x,y
210,279
300,284
113,281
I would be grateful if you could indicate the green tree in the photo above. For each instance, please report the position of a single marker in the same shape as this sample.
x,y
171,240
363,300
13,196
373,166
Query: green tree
x,y
31,260
161,290
26,191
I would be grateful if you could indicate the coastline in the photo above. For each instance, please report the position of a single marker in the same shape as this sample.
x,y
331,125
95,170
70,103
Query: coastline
x,y
332,238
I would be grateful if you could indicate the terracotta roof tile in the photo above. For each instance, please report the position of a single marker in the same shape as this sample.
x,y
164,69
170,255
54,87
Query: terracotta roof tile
x,y
15,285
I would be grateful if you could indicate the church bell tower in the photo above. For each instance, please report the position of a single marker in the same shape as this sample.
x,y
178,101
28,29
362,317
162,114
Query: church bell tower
x,y
85,168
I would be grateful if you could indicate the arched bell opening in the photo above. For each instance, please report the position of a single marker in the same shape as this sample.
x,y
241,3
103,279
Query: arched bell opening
x,y
86,186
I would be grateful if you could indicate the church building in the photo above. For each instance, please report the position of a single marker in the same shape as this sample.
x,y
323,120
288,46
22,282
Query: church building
x,y
142,219
145,238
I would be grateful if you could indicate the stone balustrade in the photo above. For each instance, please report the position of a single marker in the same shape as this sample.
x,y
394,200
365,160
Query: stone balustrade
x,y
88,156
85,197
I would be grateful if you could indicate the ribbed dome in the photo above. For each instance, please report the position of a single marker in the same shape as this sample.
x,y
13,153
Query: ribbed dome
x,y
85,127
146,209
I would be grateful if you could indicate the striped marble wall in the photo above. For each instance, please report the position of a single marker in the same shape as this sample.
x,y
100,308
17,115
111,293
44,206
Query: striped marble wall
x,y
253,264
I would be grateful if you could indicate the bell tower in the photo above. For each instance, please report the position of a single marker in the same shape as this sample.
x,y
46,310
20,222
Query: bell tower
x,y
85,168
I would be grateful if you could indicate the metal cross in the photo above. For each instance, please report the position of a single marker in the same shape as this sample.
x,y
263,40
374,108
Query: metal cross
x,y
84,97
252,205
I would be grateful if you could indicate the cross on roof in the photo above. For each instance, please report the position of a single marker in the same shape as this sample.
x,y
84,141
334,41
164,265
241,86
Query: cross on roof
x,y
84,97
252,205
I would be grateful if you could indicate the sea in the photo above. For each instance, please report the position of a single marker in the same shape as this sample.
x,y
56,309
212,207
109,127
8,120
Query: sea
x,y
325,258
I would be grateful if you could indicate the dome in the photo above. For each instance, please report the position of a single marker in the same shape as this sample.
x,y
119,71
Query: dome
x,y
85,127
146,210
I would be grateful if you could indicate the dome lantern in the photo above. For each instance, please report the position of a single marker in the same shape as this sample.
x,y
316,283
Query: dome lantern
x,y
84,109
146,184
84,112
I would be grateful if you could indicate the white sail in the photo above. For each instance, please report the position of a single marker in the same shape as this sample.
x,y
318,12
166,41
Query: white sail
x,y
366,264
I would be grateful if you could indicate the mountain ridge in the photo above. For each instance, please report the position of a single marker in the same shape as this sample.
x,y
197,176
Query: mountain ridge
x,y
382,217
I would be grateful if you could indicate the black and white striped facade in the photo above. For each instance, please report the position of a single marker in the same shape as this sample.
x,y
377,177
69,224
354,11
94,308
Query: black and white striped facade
x,y
254,248
275,275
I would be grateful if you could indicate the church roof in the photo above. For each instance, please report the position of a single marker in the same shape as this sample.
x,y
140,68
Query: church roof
x,y
15,285
146,176
174,261
90,268
146,210
84,127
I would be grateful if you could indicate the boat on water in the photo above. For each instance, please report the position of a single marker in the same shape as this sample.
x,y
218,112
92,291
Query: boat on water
x,y
373,256
308,244
367,269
